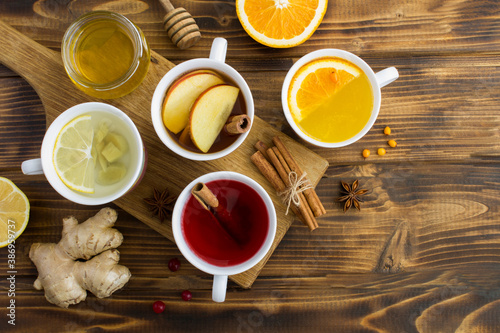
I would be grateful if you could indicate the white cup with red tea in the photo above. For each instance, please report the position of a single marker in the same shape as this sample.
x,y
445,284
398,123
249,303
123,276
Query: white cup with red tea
x,y
194,102
331,98
91,154
227,243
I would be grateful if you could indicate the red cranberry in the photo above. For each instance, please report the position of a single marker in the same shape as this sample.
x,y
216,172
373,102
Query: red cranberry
x,y
174,264
158,306
186,295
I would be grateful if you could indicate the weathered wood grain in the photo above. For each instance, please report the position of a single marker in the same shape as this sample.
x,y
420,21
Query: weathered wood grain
x,y
381,27
22,119
415,302
421,255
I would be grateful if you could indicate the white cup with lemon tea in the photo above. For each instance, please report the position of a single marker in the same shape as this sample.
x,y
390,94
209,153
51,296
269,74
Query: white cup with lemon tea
x,y
331,98
81,171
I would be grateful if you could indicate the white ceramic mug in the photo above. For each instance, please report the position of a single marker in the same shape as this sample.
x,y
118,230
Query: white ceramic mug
x,y
377,81
221,273
104,194
217,64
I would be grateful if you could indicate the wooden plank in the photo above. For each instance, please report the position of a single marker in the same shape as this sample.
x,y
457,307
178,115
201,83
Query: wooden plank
x,y
6,72
423,27
444,301
22,122
438,190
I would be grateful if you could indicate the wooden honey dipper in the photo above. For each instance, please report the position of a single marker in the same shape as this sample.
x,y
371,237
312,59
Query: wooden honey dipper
x,y
180,26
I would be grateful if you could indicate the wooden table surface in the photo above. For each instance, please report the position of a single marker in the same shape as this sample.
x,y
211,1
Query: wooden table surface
x,y
422,255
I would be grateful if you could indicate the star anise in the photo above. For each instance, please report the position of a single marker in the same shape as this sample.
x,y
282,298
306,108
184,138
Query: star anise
x,y
351,195
161,203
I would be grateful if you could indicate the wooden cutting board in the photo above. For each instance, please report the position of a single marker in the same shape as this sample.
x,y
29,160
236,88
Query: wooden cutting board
x,y
43,69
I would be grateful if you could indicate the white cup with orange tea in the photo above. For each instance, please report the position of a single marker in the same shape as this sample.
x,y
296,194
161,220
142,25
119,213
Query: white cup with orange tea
x,y
202,109
91,154
331,98
231,238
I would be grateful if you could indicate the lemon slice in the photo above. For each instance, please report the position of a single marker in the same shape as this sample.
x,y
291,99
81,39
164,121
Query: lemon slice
x,y
316,82
14,211
73,158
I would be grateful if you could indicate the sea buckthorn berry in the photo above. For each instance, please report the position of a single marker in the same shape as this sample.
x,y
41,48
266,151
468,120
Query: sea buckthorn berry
x,y
387,130
392,143
366,153
158,306
174,264
186,295
381,151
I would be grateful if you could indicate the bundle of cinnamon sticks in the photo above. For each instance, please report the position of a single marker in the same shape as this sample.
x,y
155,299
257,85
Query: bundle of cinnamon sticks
x,y
276,164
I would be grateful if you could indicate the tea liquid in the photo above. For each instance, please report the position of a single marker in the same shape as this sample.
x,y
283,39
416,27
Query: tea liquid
x,y
118,126
227,243
347,104
344,115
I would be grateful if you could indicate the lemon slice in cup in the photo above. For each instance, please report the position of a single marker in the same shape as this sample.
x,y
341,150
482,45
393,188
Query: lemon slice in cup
x,y
72,155
14,211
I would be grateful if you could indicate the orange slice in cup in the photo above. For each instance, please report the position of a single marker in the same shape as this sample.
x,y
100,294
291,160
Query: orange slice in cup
x,y
316,82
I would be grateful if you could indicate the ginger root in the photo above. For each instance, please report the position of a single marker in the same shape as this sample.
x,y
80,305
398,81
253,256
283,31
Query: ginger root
x,y
65,280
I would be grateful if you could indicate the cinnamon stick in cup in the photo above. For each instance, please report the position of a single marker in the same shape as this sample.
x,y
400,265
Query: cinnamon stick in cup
x,y
310,194
209,201
204,196
237,124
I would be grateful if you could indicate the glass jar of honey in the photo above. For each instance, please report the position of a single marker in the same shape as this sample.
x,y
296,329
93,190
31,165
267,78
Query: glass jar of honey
x,y
105,54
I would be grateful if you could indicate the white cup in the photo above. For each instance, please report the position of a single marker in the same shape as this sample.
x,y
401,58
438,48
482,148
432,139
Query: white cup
x,y
221,273
377,81
217,64
103,194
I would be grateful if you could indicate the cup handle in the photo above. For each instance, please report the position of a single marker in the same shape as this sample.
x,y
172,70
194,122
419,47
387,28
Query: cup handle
x,y
386,76
32,167
219,49
219,288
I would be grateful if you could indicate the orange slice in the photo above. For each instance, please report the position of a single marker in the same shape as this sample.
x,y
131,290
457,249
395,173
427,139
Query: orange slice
x,y
280,23
316,82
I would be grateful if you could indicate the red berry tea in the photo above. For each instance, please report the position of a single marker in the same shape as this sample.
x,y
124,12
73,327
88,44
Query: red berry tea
x,y
230,238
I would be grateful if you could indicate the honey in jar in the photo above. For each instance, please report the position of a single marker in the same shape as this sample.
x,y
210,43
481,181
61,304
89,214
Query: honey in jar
x,y
105,54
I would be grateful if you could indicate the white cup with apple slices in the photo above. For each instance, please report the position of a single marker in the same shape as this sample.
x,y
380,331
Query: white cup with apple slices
x,y
195,98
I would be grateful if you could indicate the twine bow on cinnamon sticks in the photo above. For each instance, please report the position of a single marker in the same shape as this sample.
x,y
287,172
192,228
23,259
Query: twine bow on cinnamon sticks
x,y
280,168
296,185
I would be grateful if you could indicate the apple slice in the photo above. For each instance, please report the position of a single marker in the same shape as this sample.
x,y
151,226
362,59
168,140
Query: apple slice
x,y
209,114
181,96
